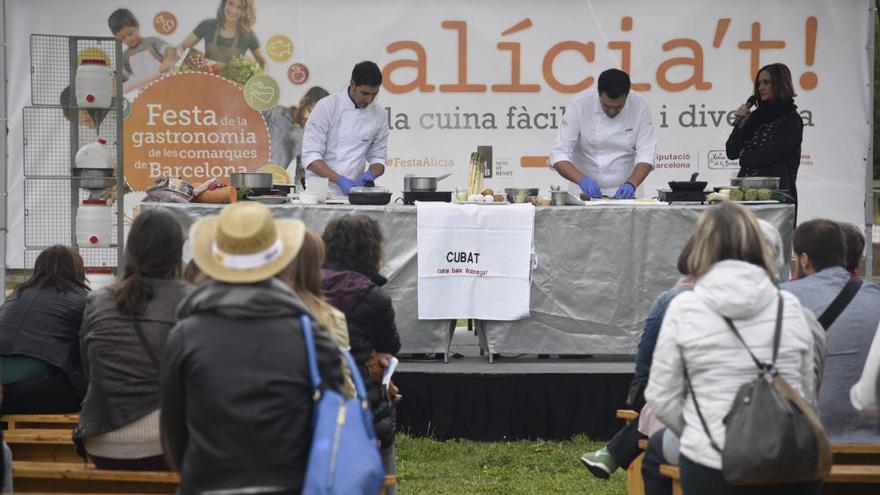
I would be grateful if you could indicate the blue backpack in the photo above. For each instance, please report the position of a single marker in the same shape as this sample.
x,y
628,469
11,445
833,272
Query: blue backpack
x,y
344,457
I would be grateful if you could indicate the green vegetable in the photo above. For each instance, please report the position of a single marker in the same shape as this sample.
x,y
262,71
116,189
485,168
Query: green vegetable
x,y
240,69
764,194
736,194
750,195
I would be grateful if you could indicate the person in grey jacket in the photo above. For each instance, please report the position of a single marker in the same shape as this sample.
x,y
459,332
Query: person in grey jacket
x,y
39,327
123,334
734,279
820,246
237,400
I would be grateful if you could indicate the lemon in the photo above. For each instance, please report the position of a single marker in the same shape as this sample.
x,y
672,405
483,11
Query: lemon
x,y
279,175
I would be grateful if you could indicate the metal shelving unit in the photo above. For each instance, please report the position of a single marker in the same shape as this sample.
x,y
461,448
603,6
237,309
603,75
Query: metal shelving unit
x,y
54,132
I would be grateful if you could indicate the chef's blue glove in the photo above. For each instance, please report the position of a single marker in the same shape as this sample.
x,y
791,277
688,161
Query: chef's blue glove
x,y
625,191
345,184
590,188
367,177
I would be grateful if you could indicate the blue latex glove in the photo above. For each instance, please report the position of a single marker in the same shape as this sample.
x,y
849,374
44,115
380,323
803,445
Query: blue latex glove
x,y
625,191
590,188
368,176
345,184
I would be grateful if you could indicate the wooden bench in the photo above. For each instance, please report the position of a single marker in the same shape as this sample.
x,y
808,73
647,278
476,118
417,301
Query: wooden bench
x,y
32,476
40,421
627,415
841,479
390,480
864,454
54,445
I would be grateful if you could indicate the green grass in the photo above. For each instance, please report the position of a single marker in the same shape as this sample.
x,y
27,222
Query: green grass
x,y
426,466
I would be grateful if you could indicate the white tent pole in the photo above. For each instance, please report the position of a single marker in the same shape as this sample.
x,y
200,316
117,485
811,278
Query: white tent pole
x,y
4,155
869,155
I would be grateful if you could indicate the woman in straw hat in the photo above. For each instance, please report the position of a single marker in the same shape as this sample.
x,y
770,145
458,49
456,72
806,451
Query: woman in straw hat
x,y
236,394
123,334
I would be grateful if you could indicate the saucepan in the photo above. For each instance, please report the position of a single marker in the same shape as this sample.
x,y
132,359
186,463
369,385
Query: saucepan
x,y
422,184
692,185
251,180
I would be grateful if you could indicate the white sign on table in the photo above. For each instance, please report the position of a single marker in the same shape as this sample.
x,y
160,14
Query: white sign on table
x,y
474,261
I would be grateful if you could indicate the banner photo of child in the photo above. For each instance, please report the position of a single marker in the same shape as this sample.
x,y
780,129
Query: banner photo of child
x,y
146,59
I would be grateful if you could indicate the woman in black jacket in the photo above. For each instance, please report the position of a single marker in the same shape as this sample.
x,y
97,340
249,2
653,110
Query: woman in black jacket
x,y
767,142
351,282
123,333
39,337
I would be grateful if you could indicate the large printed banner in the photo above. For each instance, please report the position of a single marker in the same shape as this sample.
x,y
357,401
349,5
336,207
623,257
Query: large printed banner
x,y
215,87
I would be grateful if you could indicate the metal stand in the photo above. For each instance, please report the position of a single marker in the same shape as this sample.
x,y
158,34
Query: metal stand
x,y
53,133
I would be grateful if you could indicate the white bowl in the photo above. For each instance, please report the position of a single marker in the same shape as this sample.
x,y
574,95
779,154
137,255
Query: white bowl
x,y
310,198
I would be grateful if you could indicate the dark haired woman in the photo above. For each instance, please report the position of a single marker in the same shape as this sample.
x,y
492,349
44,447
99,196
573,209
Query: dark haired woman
x,y
767,142
123,334
39,324
351,282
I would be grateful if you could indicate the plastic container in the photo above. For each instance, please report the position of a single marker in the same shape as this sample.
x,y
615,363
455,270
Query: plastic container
x,y
94,84
94,224
99,277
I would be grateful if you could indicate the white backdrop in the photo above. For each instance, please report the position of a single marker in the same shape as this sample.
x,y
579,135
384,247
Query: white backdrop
x,y
659,39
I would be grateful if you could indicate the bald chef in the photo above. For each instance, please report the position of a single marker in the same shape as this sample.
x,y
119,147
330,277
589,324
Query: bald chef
x,y
606,141
346,131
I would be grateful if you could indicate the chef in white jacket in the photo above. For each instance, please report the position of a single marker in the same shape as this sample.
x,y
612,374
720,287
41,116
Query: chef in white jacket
x,y
606,141
347,133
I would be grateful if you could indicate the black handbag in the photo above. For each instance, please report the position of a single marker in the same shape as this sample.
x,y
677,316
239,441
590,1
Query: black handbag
x,y
772,434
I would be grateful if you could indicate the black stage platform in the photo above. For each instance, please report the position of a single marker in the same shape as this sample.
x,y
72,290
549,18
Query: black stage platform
x,y
516,397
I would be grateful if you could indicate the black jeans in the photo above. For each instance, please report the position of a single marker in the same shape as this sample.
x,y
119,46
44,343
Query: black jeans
x,y
49,393
697,479
655,483
154,463
624,445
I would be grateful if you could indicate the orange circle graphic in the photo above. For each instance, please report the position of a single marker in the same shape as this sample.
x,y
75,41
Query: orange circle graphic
x,y
193,126
165,22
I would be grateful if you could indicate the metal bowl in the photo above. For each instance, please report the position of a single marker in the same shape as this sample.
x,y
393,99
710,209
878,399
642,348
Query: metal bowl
x,y
520,194
771,183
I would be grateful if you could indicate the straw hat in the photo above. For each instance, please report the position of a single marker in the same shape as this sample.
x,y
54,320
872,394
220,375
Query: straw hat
x,y
244,244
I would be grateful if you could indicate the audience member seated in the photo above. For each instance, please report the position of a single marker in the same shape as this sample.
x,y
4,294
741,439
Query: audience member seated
x,y
735,280
352,283
39,337
123,334
236,394
863,394
855,247
663,445
303,275
820,246
623,448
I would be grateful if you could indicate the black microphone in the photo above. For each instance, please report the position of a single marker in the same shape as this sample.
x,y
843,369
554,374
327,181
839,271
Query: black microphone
x,y
749,104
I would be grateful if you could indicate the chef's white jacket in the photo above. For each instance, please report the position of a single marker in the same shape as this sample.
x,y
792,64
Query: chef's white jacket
x,y
605,149
345,137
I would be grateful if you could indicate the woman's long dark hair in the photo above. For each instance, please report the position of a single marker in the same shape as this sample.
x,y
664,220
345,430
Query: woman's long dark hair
x,y
57,266
354,241
153,249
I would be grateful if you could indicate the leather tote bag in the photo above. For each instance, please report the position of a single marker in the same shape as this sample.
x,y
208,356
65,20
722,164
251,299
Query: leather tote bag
x,y
344,457
772,434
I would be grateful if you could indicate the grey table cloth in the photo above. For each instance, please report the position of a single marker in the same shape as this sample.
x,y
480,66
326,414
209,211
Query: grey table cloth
x,y
598,270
